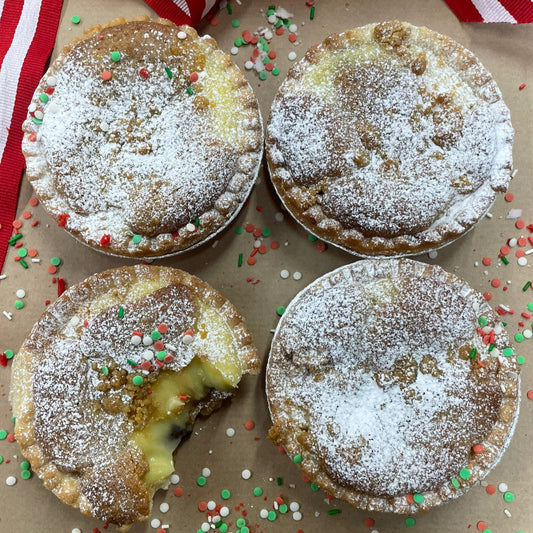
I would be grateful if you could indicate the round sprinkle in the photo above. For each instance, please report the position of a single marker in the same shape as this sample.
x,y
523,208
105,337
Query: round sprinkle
x,y
491,489
230,432
206,472
522,261
182,35
297,276
155,335
144,73
11,480
137,380
263,75
477,448
297,458
481,525
115,56
76,530
201,481
502,487
51,81
155,523
25,474
136,239
263,513
106,75
508,496
464,473
75,19
20,293
280,310
178,492
235,23
22,252
3,434
164,507
225,494
495,282
9,355
284,274
249,425
246,474
249,65
205,527
55,261
519,337
508,352
19,304
234,50
224,511
418,498
528,333
271,516
258,491
410,521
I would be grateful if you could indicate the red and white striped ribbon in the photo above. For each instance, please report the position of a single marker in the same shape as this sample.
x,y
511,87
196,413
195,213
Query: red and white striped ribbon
x,y
512,11
182,11
27,34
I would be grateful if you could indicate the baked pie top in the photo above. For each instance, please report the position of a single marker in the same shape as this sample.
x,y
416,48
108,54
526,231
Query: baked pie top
x,y
388,140
143,139
114,374
388,378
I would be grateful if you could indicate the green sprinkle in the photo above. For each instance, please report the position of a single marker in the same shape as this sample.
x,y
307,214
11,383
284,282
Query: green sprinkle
x,y
508,351
283,508
22,252
297,458
115,56
19,304
275,71
235,23
530,306
508,496
239,262
105,370
280,310
314,487
3,434
9,355
225,494
23,263
223,527
271,11
25,474
258,491
137,380
75,19
261,41
228,8
43,97
410,521
55,261
169,72
491,347
244,529
201,481
239,42
190,91
239,230
279,481
197,222
455,482
25,465
505,261
312,238
482,321
487,531
265,47
263,75
1,459
519,337
240,522
121,312
526,286
312,13
136,239
334,511
155,335
161,355
279,24
37,120
131,362
265,232
464,473
418,498
271,516
520,359
473,353
14,239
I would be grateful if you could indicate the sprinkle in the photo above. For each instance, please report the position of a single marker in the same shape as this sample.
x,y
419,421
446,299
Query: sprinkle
x,y
201,481
249,425
169,72
280,310
258,491
312,13
334,511
206,472
144,73
136,239
115,56
246,474
418,498
19,304
155,523
11,480
9,316
508,496
239,261
182,35
464,473
225,494
284,274
271,515
505,261
502,487
481,525
410,521
522,86
297,459
164,507
491,489
230,432
137,380
106,75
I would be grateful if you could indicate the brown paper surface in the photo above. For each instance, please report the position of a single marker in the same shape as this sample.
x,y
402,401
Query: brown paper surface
x,y
258,290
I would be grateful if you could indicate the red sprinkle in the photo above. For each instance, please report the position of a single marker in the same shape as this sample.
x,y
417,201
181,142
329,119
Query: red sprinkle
x,y
61,286
491,489
105,240
202,506
106,75
257,232
3,359
477,448
495,283
26,215
292,37
509,197
504,250
52,269
321,246
249,425
143,73
62,219
409,498
249,228
369,522
274,245
17,224
32,137
262,249
487,295
280,31
33,201
193,76
522,241
486,261
481,525
178,491
162,328
520,224
522,87
10,437
530,394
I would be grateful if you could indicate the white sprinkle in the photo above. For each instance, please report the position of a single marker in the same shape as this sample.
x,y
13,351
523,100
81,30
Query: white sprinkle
x,y
230,432
215,244
522,261
246,474
206,472
155,523
216,519
147,340
136,340
171,347
174,479
164,507
249,65
104,126
268,35
11,480
205,527
182,35
504,307
433,254
293,28
35,260
502,487
187,339
512,242
284,274
297,516
489,215
39,115
9,316
52,107
507,513
32,107
51,82
292,56
279,216
529,251
224,511
211,505
234,50
147,355
515,172
272,19
297,276
527,333
3,276
263,513
294,506
190,227
257,243
76,530
74,321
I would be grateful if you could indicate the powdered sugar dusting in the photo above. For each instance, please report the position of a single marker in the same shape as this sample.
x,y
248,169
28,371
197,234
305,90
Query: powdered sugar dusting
x,y
387,143
379,369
